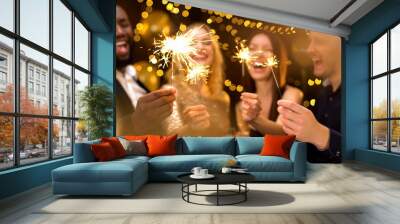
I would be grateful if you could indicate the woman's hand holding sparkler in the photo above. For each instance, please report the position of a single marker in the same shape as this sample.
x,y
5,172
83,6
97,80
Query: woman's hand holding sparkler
x,y
197,116
250,106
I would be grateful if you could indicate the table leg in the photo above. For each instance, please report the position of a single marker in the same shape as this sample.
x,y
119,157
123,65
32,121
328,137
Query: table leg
x,y
217,194
245,193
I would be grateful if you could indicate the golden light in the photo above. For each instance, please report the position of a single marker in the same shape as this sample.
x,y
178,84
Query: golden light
x,y
209,21
182,27
306,103
228,28
145,15
164,2
246,23
138,68
140,1
232,88
312,102
149,3
185,13
234,32
310,82
239,88
259,24
136,38
188,7
160,73
318,82
228,83
175,10
197,74
149,68
170,6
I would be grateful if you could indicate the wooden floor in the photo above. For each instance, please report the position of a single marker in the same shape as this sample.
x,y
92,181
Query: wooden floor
x,y
377,188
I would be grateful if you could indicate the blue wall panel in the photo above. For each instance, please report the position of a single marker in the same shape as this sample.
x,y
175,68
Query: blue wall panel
x,y
356,80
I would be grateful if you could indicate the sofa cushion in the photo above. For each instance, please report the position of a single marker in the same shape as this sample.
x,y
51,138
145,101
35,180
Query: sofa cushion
x,y
257,163
206,145
103,152
249,145
185,163
116,145
277,145
161,145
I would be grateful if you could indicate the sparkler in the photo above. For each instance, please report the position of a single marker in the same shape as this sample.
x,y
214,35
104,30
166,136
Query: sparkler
x,y
197,73
271,63
178,49
243,55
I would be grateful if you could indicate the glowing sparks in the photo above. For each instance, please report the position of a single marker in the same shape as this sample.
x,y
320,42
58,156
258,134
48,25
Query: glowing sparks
x,y
243,53
196,74
177,48
272,61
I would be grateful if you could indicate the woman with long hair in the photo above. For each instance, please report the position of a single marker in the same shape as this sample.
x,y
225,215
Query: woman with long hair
x,y
256,113
201,108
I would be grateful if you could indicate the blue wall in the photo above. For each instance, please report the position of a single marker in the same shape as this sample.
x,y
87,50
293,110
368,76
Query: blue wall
x,y
356,82
99,16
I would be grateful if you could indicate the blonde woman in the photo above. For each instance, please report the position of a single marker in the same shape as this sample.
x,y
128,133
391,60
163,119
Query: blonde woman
x,y
201,109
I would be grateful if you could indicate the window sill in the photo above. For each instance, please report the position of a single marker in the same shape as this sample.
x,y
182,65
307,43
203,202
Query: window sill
x,y
30,166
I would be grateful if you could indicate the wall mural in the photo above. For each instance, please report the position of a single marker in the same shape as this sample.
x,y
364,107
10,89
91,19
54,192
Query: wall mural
x,y
196,72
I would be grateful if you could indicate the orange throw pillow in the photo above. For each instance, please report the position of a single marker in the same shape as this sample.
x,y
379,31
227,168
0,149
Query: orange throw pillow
x,y
103,152
116,145
161,145
277,145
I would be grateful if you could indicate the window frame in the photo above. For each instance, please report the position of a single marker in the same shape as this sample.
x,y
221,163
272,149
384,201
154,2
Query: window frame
x,y
388,74
16,115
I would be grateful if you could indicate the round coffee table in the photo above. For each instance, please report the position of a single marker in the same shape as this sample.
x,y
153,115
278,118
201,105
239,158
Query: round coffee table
x,y
238,179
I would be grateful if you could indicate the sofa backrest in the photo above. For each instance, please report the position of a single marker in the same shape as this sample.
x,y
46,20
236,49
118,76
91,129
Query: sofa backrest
x,y
83,153
206,145
249,145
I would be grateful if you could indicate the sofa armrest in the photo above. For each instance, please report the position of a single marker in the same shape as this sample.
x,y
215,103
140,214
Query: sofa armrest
x,y
298,155
83,152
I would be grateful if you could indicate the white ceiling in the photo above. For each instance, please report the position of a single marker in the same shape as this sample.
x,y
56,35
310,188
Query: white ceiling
x,y
318,15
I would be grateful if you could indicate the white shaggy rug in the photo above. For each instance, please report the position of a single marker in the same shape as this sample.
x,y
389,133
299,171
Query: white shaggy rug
x,y
166,198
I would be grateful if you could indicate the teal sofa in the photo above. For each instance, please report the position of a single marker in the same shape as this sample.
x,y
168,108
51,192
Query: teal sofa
x,y
125,176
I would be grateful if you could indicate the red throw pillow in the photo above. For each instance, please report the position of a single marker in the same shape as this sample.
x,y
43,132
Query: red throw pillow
x,y
135,137
161,145
116,145
103,152
277,145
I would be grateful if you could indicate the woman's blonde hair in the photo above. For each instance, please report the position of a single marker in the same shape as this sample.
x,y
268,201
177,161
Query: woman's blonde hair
x,y
216,76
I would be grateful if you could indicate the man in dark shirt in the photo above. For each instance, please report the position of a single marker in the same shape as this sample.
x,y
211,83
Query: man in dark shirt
x,y
321,128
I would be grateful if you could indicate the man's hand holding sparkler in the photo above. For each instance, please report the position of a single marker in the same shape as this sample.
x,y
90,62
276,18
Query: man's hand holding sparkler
x,y
153,108
197,116
300,121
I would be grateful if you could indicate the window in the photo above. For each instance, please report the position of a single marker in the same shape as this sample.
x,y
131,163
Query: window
x,y
7,14
41,123
385,94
